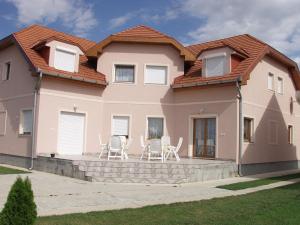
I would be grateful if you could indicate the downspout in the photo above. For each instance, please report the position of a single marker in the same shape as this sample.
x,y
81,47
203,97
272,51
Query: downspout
x,y
241,124
36,91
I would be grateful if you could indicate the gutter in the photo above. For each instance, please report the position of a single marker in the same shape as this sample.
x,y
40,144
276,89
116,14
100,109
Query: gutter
x,y
241,126
204,83
36,92
53,74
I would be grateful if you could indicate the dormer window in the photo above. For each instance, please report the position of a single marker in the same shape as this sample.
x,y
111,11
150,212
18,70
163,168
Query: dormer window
x,y
64,59
215,66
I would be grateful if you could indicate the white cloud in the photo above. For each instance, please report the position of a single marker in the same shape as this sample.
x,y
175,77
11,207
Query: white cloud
x,y
274,21
76,15
121,20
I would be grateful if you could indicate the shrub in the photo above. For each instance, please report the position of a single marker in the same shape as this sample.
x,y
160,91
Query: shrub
x,y
19,208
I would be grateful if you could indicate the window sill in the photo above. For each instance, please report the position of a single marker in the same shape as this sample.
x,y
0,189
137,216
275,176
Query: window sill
x,y
25,135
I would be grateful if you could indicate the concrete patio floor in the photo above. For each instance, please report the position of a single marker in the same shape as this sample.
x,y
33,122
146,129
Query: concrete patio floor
x,y
55,195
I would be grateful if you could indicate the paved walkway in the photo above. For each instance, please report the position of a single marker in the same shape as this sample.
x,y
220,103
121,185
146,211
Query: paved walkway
x,y
61,195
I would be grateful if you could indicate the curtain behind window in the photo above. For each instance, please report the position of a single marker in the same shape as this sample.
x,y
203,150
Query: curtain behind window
x,y
155,128
124,73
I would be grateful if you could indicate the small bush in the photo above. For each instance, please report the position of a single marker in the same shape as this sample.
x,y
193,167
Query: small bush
x,y
19,208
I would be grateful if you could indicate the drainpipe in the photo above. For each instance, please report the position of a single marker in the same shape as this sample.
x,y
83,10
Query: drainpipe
x,y
241,123
36,91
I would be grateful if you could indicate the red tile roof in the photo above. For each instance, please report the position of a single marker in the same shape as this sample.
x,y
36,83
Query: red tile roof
x,y
252,49
29,37
141,34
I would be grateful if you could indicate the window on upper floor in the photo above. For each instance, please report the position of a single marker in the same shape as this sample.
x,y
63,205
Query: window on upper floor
x,y
64,59
26,122
215,66
280,85
156,74
271,81
6,70
124,73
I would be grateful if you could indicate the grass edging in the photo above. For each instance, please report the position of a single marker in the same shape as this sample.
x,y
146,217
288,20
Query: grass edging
x,y
7,170
258,182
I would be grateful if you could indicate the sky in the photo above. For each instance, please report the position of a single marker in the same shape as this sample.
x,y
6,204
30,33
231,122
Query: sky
x,y
276,22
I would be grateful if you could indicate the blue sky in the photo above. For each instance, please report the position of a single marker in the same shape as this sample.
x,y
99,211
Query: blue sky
x,y
189,21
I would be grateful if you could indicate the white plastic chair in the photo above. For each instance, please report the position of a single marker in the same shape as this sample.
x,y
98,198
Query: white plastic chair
x,y
155,150
103,147
143,146
116,147
174,150
126,147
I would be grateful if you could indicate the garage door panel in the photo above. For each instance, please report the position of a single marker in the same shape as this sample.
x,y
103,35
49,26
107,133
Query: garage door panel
x,y
71,133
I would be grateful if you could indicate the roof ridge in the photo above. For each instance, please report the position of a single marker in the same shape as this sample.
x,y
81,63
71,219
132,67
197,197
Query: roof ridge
x,y
220,40
140,26
57,31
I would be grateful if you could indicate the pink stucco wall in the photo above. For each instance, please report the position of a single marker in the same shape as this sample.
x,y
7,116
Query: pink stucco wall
x,y
263,106
16,94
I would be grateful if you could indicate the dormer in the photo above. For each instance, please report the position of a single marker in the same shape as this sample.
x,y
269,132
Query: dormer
x,y
216,62
63,56
59,54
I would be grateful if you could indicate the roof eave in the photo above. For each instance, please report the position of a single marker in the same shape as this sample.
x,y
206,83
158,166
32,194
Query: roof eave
x,y
76,78
201,84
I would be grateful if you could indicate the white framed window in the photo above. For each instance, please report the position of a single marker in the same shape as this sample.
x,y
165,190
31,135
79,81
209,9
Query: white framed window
x,y
280,85
248,129
64,59
26,122
6,70
155,127
156,74
124,73
290,134
215,66
120,126
3,117
271,81
273,132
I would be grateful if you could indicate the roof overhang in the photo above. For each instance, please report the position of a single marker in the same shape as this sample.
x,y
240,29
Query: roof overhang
x,y
97,50
70,77
205,83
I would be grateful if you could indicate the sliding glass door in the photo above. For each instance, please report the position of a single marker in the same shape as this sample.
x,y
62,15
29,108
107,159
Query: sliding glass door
x,y
205,137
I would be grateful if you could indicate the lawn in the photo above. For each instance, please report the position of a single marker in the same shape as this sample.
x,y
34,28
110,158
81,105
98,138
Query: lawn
x,y
7,170
270,207
259,182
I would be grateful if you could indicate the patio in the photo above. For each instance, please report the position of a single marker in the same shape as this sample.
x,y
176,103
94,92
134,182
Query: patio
x,y
134,170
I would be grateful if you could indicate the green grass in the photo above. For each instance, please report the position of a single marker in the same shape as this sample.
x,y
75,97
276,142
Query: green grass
x,y
6,170
279,206
258,182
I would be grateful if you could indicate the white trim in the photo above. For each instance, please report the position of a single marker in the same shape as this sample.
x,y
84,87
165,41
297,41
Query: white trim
x,y
121,115
268,108
64,49
161,65
165,132
16,97
113,73
5,120
136,102
191,132
62,110
213,55
269,132
21,121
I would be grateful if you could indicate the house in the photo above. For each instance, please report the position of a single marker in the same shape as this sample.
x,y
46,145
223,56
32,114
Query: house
x,y
230,99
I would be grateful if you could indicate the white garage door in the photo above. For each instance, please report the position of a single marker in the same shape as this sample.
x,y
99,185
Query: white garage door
x,y
71,133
